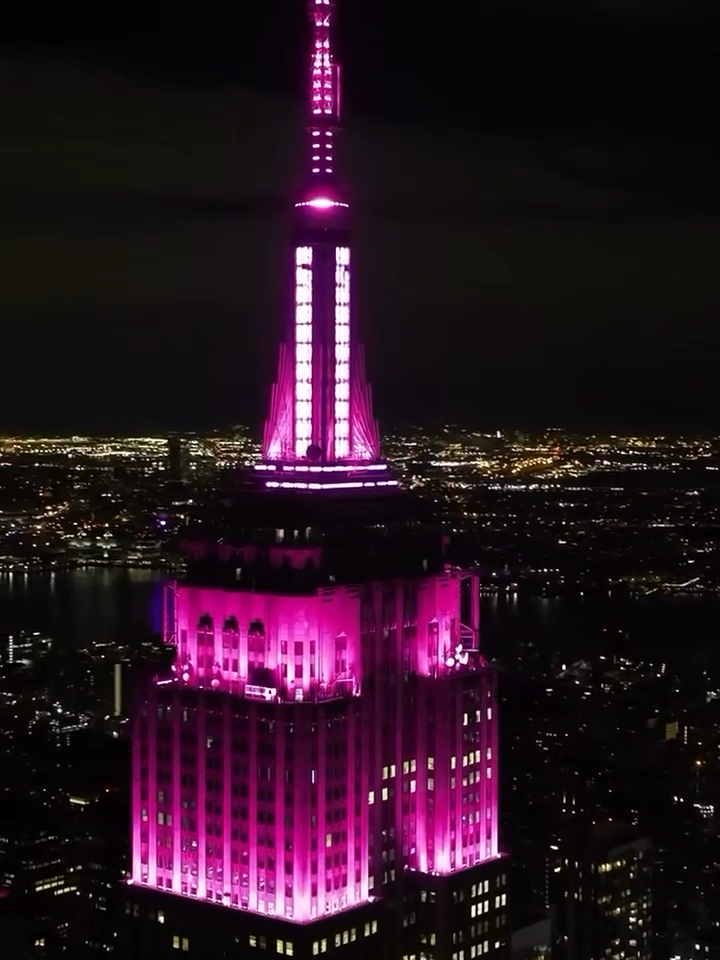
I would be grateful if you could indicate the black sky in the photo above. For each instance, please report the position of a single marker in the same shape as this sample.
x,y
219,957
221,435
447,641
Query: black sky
x,y
536,190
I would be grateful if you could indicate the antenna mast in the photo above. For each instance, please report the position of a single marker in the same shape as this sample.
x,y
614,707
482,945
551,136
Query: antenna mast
x,y
324,99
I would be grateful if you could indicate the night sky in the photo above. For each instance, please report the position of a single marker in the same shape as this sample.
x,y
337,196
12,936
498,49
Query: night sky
x,y
536,189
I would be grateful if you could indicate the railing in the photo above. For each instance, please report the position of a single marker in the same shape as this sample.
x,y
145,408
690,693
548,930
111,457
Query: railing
x,y
317,692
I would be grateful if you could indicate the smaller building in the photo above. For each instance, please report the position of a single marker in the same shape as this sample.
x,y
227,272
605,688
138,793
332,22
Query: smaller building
x,y
534,941
601,888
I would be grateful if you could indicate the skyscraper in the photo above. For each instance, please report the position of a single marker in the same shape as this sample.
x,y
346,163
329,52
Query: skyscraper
x,y
601,891
318,773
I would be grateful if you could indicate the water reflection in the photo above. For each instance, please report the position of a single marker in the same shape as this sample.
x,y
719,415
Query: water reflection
x,y
83,605
106,603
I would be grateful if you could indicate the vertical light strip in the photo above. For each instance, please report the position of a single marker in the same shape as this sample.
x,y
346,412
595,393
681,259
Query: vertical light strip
x,y
342,352
323,78
324,89
303,349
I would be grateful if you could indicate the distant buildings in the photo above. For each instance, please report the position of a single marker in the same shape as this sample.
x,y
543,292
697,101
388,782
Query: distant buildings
x,y
178,457
601,889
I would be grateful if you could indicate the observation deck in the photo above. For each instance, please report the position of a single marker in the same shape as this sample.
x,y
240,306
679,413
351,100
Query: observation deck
x,y
270,691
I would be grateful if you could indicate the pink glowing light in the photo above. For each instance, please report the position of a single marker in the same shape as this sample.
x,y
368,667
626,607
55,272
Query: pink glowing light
x,y
303,349
322,468
321,403
203,836
322,203
342,485
323,97
342,352
328,406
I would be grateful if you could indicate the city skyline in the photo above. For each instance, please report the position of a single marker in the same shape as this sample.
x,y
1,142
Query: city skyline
x,y
559,269
252,679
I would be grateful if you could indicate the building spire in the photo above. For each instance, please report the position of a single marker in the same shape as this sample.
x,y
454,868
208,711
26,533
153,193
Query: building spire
x,y
323,94
321,407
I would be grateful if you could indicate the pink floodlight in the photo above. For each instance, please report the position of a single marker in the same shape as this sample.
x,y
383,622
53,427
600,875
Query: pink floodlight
x,y
236,641
322,203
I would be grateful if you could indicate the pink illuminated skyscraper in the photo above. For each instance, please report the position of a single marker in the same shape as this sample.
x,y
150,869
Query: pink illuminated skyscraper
x,y
318,772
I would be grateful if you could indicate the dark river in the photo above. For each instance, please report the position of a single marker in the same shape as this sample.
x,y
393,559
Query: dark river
x,y
104,604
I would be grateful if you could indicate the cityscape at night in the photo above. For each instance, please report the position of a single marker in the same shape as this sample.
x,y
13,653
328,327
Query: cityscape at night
x,y
541,513
418,659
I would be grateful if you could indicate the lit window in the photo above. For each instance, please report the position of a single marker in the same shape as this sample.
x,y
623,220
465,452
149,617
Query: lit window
x,y
280,946
176,943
